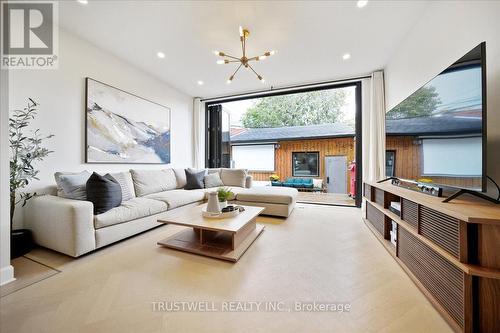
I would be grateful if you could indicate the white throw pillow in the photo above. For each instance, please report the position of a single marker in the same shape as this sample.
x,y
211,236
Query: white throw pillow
x,y
213,180
126,183
72,185
180,174
153,181
233,177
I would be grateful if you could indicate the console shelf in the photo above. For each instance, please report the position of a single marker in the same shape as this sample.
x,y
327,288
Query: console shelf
x,y
450,250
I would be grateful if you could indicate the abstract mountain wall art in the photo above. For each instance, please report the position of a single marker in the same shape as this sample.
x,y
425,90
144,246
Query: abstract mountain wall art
x,y
124,128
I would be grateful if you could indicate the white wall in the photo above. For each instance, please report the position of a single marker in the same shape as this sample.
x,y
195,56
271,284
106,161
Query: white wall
x,y
6,271
446,31
61,95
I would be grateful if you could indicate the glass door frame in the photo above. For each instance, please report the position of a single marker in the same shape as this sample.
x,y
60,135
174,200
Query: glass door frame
x,y
358,122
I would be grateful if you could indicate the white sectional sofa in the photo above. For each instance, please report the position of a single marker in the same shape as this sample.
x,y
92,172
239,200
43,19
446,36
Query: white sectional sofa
x,y
70,226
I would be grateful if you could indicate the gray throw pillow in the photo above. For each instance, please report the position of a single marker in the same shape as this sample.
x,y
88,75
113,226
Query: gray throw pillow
x,y
213,180
72,185
194,179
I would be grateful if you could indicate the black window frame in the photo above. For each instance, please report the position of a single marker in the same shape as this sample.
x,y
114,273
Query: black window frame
x,y
306,152
392,151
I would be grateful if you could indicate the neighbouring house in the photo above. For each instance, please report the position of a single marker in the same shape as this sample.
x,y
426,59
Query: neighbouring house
x,y
317,151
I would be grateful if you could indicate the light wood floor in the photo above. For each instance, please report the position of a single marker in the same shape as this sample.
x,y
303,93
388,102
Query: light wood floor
x,y
322,254
326,198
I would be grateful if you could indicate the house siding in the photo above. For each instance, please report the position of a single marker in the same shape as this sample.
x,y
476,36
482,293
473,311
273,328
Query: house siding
x,y
325,147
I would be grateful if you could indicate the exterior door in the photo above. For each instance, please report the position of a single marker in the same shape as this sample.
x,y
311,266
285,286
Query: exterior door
x,y
336,174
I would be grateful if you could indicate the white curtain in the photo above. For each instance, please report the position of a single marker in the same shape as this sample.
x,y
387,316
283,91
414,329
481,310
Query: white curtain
x,y
198,133
374,127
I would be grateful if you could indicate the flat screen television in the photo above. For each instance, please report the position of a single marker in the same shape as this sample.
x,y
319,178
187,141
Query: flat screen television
x,y
438,133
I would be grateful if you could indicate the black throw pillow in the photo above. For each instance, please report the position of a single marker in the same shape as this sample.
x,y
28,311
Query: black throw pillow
x,y
194,179
104,192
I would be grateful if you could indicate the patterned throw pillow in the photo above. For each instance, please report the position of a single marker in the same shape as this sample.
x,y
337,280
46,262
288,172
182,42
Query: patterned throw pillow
x,y
126,184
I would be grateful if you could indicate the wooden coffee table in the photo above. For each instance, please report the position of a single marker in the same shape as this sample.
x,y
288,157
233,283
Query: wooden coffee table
x,y
225,239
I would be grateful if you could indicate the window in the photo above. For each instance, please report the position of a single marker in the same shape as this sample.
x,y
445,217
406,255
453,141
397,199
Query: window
x,y
390,163
305,164
253,157
453,157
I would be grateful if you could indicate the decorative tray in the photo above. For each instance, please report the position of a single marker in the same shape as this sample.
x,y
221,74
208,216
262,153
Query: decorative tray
x,y
219,215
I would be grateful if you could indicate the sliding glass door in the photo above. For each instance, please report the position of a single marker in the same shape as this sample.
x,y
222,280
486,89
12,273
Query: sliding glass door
x,y
218,137
310,138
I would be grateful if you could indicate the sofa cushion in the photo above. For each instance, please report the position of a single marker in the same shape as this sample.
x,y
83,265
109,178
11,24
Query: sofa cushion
x,y
152,181
178,198
214,170
129,210
233,177
126,184
268,194
213,180
180,175
194,179
104,192
72,185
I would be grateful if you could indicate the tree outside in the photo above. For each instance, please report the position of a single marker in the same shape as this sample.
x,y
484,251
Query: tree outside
x,y
421,104
301,109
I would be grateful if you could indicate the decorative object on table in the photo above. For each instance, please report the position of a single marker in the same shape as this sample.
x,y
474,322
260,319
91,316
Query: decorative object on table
x,y
224,194
213,203
25,150
124,128
244,60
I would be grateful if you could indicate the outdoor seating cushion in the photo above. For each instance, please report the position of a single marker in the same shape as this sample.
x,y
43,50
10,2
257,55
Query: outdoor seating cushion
x,y
276,183
129,210
178,198
299,182
269,194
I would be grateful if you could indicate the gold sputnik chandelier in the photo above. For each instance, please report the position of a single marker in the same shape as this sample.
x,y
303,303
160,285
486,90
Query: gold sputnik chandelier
x,y
244,60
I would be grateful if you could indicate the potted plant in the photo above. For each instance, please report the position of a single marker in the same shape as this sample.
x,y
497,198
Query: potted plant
x,y
224,193
274,178
25,149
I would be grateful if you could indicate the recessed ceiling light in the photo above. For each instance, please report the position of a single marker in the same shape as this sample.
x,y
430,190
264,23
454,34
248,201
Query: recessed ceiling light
x,y
361,3
200,82
83,2
160,55
346,56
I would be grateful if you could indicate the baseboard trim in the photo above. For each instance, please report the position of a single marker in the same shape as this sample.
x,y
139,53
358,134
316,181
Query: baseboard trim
x,y
6,275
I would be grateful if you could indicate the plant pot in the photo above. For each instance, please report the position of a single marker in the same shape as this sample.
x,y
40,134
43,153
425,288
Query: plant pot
x,y
223,204
21,242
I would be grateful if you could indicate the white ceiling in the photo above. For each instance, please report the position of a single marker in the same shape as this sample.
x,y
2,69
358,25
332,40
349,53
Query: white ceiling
x,y
310,37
